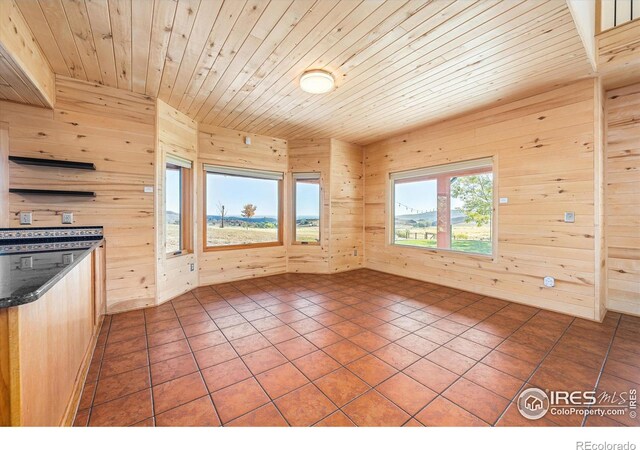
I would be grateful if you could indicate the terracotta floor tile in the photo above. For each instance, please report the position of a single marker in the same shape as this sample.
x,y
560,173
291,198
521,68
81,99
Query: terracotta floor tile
x,y
435,335
177,392
215,355
124,363
238,399
413,423
126,333
374,410
291,316
453,361
337,419
371,369
295,348
468,348
166,336
199,328
344,352
443,413
407,393
508,364
449,326
369,341
407,324
225,374
280,334
323,338
346,329
513,418
281,380
250,344
306,326
168,351
431,375
124,347
482,338
111,388
123,411
499,382
265,416
81,419
305,406
397,356
239,331
267,323
198,413
170,369
479,401
341,386
625,371
206,340
193,319
389,331
316,364
163,325
417,344
263,360
328,319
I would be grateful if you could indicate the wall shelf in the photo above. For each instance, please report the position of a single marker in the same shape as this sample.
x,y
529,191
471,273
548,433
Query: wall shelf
x,y
52,192
52,163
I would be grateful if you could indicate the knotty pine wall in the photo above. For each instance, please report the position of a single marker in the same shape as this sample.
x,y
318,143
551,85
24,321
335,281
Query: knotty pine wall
x,y
178,136
543,150
622,198
226,147
114,129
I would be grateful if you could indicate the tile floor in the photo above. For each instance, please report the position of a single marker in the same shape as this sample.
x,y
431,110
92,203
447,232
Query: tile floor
x,y
359,348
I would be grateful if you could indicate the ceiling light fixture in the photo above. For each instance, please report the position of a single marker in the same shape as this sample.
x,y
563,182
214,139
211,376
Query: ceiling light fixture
x,y
317,81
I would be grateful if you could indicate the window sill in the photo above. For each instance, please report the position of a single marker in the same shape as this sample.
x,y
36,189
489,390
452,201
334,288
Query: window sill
x,y
306,244
177,255
449,252
222,248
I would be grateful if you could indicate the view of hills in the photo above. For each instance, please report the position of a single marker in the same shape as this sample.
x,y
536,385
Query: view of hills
x,y
431,217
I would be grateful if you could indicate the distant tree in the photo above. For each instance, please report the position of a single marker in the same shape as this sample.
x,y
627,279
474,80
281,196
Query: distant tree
x,y
248,211
222,211
476,193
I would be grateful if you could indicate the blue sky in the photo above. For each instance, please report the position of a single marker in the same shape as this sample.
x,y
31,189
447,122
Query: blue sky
x,y
420,195
307,200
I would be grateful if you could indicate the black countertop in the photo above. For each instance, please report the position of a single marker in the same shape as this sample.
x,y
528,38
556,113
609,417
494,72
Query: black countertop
x,y
34,260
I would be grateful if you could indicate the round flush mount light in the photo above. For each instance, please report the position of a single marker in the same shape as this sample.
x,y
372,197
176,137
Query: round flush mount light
x,y
316,82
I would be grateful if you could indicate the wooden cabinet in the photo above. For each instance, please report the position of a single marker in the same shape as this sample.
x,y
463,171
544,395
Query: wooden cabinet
x,y
46,347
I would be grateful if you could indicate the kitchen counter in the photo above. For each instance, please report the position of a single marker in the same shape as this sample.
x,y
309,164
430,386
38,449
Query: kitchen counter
x,y
33,260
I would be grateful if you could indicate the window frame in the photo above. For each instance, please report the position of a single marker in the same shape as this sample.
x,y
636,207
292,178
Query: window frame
x,y
432,172
295,177
246,173
185,168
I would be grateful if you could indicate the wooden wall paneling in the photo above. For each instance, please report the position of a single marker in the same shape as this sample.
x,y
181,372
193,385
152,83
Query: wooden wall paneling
x,y
622,198
121,30
178,136
78,19
619,55
599,184
100,27
347,206
163,15
115,130
311,156
142,15
544,146
24,65
4,175
226,147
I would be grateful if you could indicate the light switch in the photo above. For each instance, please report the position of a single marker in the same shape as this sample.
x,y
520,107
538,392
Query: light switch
x,y
26,217
504,200
247,140
569,217
148,189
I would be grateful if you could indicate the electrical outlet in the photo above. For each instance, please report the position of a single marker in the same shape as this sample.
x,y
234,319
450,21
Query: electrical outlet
x,y
355,252
26,217
26,262
192,267
569,217
67,217
504,200
549,281
67,258
247,140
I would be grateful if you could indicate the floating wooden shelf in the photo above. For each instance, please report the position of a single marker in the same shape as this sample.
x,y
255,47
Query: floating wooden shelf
x,y
52,163
52,192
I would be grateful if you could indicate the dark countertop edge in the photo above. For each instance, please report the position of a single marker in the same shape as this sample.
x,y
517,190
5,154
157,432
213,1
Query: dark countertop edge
x,y
9,302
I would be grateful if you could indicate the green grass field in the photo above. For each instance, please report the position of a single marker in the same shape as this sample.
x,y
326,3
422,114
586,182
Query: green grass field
x,y
483,247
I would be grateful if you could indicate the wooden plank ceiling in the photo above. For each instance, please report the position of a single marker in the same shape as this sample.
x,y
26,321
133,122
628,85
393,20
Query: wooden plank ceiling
x,y
236,63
